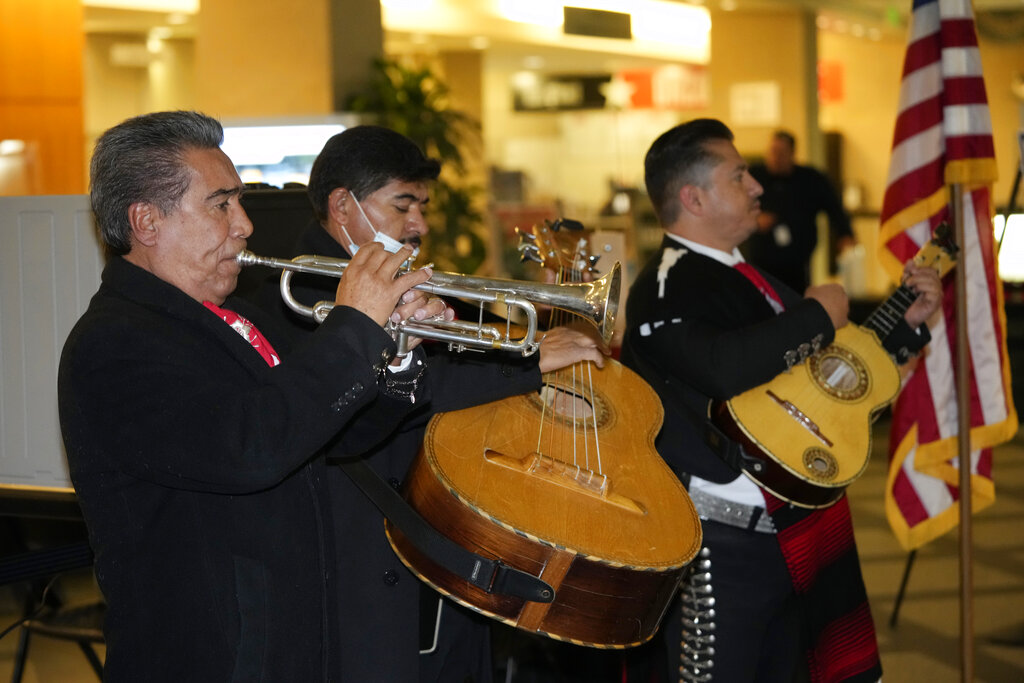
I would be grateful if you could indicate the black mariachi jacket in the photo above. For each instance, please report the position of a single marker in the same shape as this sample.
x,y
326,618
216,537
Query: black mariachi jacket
x,y
197,470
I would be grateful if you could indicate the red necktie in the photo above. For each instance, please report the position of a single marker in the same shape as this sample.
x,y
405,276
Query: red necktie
x,y
762,285
248,332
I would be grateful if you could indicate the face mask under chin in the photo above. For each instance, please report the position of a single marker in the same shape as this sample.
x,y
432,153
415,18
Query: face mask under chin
x,y
391,245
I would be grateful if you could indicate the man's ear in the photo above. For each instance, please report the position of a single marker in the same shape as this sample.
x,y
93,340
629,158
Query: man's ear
x,y
692,199
143,218
336,210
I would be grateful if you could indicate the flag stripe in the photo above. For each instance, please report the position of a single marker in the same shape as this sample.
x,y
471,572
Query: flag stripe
x,y
967,122
970,90
985,359
912,508
913,186
922,85
923,115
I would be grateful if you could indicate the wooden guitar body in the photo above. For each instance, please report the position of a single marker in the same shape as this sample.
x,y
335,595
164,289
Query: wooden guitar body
x,y
809,429
611,532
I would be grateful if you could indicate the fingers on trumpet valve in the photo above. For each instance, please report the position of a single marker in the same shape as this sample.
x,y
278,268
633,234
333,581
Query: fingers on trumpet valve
x,y
416,305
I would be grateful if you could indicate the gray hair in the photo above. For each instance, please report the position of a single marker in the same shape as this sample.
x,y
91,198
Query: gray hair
x,y
142,160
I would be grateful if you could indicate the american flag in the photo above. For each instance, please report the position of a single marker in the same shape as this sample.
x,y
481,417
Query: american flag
x,y
944,136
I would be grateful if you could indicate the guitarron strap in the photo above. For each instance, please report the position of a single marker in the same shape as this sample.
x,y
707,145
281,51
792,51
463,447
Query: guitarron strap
x,y
491,576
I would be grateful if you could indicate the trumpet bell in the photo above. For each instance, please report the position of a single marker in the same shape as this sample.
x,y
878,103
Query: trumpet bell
x,y
608,293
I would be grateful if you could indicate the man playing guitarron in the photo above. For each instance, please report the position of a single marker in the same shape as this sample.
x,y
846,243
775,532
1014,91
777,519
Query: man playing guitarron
x,y
702,325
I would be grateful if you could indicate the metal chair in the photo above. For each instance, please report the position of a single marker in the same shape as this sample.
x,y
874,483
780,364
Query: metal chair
x,y
46,616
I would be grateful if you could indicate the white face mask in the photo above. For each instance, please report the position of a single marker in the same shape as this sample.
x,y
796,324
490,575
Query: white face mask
x,y
391,245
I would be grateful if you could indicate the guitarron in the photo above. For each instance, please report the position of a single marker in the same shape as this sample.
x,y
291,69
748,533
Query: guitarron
x,y
564,484
807,432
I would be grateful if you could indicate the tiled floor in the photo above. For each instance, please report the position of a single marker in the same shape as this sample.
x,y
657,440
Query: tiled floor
x,y
925,644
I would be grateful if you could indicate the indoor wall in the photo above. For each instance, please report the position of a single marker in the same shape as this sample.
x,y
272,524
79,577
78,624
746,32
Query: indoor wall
x,y
573,157
257,58
1004,67
41,97
124,79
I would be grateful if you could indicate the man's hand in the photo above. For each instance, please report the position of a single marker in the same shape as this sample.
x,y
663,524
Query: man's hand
x,y
562,346
369,283
925,282
833,299
416,305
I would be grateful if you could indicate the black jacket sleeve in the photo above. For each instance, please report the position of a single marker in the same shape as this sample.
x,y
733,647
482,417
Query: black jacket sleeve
x,y
186,403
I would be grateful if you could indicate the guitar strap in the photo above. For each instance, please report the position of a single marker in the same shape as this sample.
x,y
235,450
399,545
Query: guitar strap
x,y
721,445
490,576
724,447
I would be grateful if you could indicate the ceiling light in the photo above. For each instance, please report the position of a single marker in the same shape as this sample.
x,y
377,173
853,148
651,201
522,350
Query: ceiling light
x,y
533,62
1010,233
407,5
672,23
523,80
536,12
187,6
11,147
267,145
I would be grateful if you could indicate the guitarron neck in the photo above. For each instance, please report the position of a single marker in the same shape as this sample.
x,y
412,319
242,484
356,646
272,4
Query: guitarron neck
x,y
883,320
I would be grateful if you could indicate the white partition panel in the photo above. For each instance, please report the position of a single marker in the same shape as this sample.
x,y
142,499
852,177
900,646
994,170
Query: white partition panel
x,y
50,263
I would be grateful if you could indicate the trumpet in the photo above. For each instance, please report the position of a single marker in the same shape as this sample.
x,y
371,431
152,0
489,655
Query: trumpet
x,y
597,302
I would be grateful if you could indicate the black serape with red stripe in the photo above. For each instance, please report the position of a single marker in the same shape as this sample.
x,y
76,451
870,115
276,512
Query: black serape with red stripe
x,y
821,555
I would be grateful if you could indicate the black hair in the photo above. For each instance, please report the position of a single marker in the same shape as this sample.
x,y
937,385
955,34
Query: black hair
x,y
363,159
787,136
680,157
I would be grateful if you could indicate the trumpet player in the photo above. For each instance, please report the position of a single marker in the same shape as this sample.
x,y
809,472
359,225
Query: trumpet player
x,y
194,433
371,185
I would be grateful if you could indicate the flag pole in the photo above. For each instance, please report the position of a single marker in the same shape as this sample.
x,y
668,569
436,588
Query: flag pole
x,y
963,396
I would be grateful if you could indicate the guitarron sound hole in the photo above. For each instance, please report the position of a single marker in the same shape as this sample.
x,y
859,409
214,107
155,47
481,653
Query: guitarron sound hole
x,y
820,464
571,406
